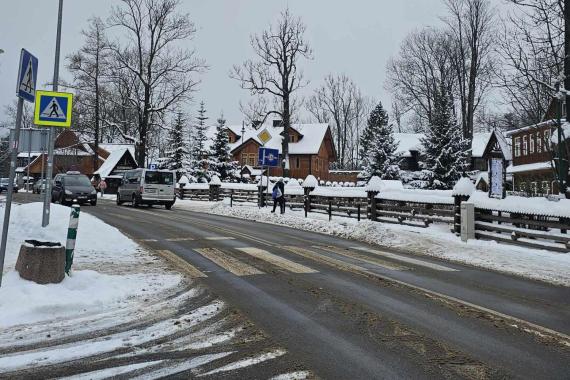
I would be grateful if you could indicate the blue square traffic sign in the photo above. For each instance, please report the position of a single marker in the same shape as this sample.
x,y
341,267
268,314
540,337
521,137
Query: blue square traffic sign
x,y
268,157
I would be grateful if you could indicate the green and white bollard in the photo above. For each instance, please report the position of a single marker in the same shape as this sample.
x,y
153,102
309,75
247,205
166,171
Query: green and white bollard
x,y
71,236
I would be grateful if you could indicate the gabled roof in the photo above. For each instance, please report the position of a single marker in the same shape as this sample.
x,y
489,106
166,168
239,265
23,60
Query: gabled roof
x,y
310,142
112,161
408,143
479,144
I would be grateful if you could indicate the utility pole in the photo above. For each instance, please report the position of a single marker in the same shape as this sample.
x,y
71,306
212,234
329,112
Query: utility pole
x,y
51,133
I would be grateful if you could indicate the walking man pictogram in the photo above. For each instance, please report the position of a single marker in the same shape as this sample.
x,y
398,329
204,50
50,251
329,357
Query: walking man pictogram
x,y
53,108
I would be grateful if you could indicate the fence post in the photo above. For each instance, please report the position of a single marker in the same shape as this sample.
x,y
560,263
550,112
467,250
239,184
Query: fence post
x,y
458,199
261,194
307,202
232,199
330,210
372,202
181,190
214,192
358,208
467,221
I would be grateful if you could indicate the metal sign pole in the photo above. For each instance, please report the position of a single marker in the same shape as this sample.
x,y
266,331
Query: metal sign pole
x,y
49,173
29,160
10,190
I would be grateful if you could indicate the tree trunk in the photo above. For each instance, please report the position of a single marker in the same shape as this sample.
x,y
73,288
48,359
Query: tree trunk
x,y
96,138
286,128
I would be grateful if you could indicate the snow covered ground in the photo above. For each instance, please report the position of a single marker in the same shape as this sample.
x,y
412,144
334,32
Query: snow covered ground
x,y
99,277
435,240
123,311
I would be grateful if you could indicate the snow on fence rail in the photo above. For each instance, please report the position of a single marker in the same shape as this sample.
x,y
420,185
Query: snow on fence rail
x,y
530,222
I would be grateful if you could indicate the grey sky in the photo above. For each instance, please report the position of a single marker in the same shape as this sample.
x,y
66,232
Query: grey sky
x,y
354,37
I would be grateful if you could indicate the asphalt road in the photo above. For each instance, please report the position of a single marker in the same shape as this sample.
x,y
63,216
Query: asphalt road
x,y
347,310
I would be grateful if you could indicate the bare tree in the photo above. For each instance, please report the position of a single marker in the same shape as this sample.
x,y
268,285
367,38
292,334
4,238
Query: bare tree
x,y
532,51
471,26
422,66
339,102
164,72
89,66
275,72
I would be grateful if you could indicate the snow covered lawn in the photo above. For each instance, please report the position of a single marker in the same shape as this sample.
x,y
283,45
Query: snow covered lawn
x,y
436,240
109,270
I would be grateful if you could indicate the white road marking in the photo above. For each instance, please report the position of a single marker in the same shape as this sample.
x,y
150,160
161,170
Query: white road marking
x,y
147,240
180,239
407,259
360,257
228,262
277,260
219,238
192,271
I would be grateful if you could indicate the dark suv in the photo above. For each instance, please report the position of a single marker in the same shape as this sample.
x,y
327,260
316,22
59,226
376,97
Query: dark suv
x,y
73,187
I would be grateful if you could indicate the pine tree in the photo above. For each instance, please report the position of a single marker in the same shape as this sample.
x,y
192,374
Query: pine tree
x,y
220,157
177,153
199,160
446,151
378,147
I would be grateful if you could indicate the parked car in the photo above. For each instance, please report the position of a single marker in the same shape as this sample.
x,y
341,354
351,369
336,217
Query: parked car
x,y
73,187
149,187
4,185
39,186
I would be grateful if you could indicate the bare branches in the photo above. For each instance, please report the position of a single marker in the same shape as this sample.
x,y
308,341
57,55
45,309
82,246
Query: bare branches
x,y
163,74
274,72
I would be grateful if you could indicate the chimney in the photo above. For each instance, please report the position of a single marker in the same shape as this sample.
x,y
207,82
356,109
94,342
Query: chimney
x,y
277,123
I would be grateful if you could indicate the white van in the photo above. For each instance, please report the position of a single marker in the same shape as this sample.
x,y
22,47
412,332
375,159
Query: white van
x,y
145,186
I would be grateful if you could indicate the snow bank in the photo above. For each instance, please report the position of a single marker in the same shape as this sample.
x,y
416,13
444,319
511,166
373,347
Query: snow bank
x,y
197,186
239,186
378,185
215,181
463,187
98,246
419,196
534,206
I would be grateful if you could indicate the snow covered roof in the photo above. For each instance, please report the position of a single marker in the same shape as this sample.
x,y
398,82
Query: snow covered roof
x,y
310,142
25,154
479,143
529,167
550,123
533,206
463,187
407,143
113,147
105,170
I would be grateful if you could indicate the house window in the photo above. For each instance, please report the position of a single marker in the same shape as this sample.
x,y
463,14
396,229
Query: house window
x,y
524,145
517,146
248,159
546,187
531,146
546,139
292,138
297,162
538,142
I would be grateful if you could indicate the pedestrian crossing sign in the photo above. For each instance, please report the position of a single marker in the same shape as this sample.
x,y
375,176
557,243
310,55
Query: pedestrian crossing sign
x,y
27,76
53,109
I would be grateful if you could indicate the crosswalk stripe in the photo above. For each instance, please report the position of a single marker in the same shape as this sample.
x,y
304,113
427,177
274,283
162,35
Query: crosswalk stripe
x,y
363,258
228,262
312,255
407,259
192,271
180,239
277,260
219,238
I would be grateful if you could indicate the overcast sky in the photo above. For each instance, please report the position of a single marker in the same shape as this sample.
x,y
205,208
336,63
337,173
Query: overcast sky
x,y
355,37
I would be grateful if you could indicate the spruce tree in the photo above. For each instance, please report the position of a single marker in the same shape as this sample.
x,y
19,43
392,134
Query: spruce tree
x,y
177,153
378,147
446,151
220,157
199,163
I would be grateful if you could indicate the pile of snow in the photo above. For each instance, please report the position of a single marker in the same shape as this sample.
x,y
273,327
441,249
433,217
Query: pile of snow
x,y
215,180
380,185
184,180
197,186
418,196
311,181
240,186
98,246
293,187
463,187
522,205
